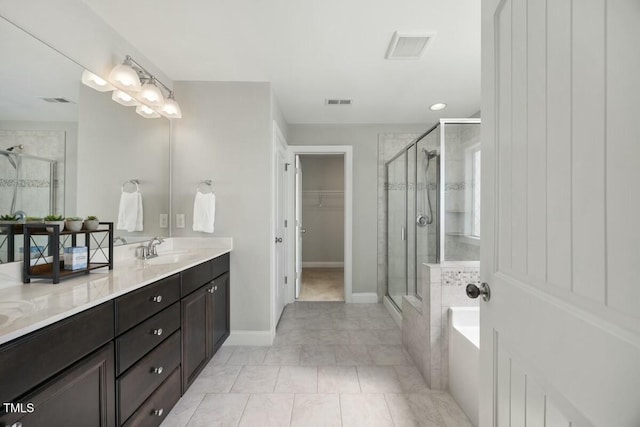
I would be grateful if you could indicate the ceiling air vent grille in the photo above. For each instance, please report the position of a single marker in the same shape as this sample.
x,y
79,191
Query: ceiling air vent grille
x,y
338,102
408,45
57,100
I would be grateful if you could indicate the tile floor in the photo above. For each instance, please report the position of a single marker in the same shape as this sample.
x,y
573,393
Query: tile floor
x,y
332,364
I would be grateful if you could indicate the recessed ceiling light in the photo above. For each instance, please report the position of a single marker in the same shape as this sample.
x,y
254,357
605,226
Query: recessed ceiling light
x,y
437,107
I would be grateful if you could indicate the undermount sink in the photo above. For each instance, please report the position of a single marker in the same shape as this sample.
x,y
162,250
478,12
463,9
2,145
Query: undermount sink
x,y
168,258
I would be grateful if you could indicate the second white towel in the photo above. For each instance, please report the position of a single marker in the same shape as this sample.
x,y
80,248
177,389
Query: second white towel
x,y
204,212
130,212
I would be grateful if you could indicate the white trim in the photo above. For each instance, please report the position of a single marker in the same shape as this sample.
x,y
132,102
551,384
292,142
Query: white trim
x,y
322,264
261,338
393,311
347,151
364,298
277,142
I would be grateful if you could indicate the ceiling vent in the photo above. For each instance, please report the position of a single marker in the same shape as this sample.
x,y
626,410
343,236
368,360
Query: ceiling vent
x,y
338,102
57,100
408,45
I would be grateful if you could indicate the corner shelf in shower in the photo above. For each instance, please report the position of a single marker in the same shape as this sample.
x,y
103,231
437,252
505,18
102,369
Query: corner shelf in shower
x,y
49,265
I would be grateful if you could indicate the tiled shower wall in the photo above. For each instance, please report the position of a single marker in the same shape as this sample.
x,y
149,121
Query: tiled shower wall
x,y
425,333
34,180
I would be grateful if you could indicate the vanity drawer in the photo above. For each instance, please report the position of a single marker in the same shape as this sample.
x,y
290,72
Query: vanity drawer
x,y
140,340
157,406
145,376
139,305
29,360
195,277
219,265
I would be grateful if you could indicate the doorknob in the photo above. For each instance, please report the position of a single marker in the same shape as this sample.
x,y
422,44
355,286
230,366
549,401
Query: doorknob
x,y
474,292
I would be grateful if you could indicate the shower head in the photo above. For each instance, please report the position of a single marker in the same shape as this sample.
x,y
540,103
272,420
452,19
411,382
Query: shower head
x,y
19,147
430,154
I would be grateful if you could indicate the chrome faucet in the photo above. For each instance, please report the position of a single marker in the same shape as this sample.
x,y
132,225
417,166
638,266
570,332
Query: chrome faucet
x,y
152,248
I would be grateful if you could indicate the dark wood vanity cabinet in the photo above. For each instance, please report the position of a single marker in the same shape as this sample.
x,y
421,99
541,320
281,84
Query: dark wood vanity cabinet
x,y
64,370
123,363
205,315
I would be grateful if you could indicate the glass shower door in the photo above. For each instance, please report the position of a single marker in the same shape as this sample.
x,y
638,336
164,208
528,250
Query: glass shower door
x,y
397,229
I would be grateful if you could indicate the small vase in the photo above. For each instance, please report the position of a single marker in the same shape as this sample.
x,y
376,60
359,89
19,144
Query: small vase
x,y
74,225
50,229
91,224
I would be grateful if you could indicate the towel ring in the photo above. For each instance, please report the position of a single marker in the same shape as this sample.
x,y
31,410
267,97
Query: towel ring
x,y
131,181
206,182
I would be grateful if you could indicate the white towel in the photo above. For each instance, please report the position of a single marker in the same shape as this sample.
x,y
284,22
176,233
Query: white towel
x,y
130,212
204,212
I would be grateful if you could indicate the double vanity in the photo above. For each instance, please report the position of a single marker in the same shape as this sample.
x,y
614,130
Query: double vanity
x,y
116,347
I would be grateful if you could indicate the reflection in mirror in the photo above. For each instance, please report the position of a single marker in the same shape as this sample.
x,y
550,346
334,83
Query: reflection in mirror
x,y
66,149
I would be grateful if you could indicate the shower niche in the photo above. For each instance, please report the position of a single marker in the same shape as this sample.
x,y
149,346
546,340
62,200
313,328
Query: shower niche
x,y
432,204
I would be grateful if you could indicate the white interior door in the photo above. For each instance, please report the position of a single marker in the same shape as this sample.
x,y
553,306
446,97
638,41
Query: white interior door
x,y
280,159
560,337
299,229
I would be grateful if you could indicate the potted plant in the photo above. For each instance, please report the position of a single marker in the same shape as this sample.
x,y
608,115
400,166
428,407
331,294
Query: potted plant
x,y
54,219
91,223
73,223
11,219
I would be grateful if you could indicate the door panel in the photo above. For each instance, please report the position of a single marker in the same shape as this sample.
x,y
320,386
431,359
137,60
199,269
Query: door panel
x,y
397,229
298,220
560,337
281,231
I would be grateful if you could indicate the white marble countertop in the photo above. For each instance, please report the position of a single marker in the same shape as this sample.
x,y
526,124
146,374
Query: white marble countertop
x,y
25,308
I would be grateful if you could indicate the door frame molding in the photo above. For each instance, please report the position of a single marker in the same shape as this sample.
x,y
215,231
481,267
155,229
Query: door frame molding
x,y
347,151
278,142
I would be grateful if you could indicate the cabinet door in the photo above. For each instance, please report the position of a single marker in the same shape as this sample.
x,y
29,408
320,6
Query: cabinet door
x,y
194,335
82,396
220,314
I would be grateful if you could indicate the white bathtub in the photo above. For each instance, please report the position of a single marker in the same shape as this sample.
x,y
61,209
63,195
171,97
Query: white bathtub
x,y
464,355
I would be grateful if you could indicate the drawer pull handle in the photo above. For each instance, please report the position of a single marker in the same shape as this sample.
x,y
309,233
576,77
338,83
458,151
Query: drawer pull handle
x,y
157,298
16,424
157,332
215,288
158,412
211,290
157,370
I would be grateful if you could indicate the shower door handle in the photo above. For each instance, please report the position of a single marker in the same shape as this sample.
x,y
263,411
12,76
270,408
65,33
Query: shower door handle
x,y
403,233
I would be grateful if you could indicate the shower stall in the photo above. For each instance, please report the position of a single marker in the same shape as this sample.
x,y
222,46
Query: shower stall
x,y
432,204
27,187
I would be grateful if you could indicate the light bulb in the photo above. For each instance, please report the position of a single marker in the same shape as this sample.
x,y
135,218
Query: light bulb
x,y
124,77
95,82
171,109
151,95
124,98
147,112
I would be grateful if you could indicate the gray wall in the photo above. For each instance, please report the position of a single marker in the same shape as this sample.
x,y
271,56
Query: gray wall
x,y
322,213
225,135
117,145
364,140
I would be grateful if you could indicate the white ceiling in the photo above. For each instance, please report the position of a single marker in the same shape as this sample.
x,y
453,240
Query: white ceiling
x,y
315,49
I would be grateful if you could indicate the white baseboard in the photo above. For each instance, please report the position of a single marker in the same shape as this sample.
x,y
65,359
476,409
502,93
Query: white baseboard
x,y
322,264
364,298
393,311
259,338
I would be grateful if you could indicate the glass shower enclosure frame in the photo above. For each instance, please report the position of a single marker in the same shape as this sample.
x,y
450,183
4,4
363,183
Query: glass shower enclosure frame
x,y
416,186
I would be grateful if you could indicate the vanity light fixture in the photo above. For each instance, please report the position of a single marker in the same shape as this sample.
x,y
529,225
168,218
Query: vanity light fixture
x,y
147,112
150,94
95,82
171,109
133,85
123,98
437,107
